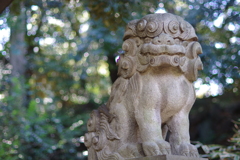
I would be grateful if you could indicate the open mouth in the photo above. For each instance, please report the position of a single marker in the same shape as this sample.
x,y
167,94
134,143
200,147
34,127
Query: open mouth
x,y
156,50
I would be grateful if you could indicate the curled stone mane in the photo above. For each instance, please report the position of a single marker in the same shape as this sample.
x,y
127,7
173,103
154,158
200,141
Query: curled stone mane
x,y
153,25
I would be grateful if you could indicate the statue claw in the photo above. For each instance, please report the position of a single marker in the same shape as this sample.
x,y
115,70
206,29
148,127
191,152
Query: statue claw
x,y
154,148
188,150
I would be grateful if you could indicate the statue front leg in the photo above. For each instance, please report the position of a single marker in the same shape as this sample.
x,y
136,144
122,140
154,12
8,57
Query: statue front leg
x,y
148,118
179,136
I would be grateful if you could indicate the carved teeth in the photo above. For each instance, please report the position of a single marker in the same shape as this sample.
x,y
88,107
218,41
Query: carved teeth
x,y
163,49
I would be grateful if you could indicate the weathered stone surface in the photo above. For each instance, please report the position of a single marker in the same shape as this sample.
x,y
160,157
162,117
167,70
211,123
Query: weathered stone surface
x,y
152,96
168,157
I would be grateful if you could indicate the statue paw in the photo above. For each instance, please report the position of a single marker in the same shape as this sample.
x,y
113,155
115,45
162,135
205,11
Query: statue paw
x,y
188,150
159,147
164,147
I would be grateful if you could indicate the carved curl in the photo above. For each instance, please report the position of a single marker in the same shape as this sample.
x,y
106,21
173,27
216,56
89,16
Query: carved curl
x,y
126,66
93,122
154,24
88,139
149,27
172,28
130,46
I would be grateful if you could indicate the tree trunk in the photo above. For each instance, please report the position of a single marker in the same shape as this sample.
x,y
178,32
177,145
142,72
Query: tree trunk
x,y
18,50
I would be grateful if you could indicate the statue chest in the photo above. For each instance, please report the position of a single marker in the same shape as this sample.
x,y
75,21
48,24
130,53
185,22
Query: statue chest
x,y
170,93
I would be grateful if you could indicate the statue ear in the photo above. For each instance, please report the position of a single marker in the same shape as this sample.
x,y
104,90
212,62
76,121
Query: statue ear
x,y
193,65
127,66
193,50
130,30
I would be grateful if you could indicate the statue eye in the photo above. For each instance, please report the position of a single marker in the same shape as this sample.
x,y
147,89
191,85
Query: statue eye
x,y
169,42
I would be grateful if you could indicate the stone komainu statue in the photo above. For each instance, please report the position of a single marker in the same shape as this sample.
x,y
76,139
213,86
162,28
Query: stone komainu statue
x,y
152,96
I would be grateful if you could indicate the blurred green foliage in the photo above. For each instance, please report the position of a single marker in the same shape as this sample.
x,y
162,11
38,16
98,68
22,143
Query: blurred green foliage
x,y
71,48
216,151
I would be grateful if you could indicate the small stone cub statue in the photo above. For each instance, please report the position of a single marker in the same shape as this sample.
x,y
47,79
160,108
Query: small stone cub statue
x,y
153,94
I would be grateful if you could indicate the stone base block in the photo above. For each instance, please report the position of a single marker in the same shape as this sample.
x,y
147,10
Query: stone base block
x,y
168,157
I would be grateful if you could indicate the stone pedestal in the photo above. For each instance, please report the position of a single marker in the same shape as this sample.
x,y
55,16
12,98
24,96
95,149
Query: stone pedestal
x,y
168,157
